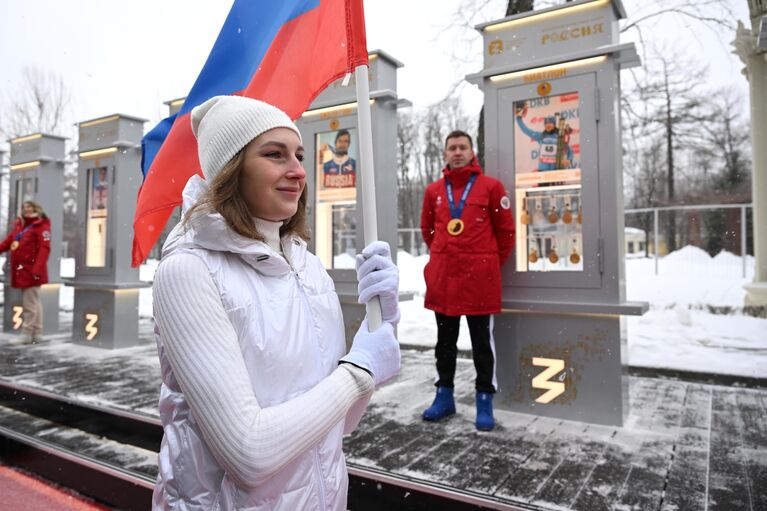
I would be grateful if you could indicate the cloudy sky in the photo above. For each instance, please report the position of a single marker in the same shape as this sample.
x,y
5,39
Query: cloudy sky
x,y
129,57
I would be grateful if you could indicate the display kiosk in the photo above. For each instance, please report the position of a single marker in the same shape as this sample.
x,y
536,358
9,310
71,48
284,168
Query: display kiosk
x,y
106,286
331,142
551,82
37,174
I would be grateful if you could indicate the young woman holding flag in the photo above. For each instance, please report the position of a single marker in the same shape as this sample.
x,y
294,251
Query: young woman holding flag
x,y
257,389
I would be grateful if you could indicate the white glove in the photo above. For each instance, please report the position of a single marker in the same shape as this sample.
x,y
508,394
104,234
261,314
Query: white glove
x,y
378,276
376,352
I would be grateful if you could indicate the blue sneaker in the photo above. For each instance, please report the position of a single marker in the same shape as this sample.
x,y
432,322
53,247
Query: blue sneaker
x,y
443,405
485,421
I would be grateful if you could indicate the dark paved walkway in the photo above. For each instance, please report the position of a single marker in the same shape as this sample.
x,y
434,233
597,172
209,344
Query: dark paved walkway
x,y
685,446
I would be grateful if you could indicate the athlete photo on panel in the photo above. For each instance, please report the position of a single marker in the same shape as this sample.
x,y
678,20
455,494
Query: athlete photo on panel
x,y
554,151
340,171
100,189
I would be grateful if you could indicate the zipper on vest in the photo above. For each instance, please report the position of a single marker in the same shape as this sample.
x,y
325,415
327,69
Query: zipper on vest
x,y
317,465
290,264
304,298
320,479
308,307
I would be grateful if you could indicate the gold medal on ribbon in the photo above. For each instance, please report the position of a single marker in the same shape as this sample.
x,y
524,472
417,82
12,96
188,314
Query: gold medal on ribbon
x,y
14,245
455,226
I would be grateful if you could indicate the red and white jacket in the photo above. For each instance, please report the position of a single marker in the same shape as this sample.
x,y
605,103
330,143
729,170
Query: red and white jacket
x,y
29,261
463,275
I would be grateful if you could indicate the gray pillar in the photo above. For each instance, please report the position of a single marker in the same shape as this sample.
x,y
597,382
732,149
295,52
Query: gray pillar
x,y
747,48
106,285
37,174
560,339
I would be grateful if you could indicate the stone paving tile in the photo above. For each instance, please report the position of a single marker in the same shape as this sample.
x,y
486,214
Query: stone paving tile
x,y
93,446
687,476
606,481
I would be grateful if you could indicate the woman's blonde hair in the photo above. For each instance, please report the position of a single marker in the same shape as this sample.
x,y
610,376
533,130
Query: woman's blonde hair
x,y
36,206
224,195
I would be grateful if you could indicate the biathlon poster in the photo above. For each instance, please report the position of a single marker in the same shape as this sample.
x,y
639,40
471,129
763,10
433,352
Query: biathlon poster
x,y
337,160
99,188
547,140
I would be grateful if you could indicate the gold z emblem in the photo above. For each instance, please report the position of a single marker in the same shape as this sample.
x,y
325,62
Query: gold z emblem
x,y
91,327
543,380
18,310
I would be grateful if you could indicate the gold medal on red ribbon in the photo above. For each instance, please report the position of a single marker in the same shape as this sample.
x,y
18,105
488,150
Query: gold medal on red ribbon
x,y
14,245
455,226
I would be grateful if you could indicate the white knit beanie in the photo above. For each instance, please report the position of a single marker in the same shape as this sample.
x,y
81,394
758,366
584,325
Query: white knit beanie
x,y
225,124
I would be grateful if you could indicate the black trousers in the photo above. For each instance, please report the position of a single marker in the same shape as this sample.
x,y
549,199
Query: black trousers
x,y
446,351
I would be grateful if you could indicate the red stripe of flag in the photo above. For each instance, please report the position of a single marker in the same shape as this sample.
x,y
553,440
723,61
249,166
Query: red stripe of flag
x,y
307,54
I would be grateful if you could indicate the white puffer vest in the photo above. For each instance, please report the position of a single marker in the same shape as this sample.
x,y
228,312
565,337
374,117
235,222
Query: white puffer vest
x,y
289,323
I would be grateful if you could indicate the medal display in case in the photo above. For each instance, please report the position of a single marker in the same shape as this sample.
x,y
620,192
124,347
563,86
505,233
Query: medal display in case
x,y
554,235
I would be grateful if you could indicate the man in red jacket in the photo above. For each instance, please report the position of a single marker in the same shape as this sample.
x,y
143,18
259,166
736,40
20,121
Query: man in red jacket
x,y
30,245
467,224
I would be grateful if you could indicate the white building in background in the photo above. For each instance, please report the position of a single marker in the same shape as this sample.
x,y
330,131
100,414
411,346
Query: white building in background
x,y
636,241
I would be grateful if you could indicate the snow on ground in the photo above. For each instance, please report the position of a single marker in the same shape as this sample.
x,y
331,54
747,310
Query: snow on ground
x,y
699,341
677,333
689,277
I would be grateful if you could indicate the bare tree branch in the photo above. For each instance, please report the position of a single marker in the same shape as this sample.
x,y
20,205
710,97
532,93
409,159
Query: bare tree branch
x,y
41,104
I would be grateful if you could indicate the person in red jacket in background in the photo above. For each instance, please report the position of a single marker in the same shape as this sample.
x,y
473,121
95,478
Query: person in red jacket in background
x,y
467,224
30,245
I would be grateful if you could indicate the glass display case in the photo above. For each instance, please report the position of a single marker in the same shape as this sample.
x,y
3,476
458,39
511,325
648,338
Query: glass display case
x,y
96,221
550,223
551,89
336,197
548,183
25,190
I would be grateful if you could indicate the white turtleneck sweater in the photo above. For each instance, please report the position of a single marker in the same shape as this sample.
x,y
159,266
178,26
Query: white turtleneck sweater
x,y
251,443
270,231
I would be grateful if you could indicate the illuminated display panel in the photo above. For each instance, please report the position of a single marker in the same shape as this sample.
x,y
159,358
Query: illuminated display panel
x,y
547,379
97,211
337,172
18,317
91,326
547,163
25,190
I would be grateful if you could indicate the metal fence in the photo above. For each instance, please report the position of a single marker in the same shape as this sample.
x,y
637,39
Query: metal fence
x,y
716,229
411,241
719,230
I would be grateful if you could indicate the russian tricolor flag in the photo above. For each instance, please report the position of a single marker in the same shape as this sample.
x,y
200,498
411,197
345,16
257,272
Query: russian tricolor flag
x,y
284,52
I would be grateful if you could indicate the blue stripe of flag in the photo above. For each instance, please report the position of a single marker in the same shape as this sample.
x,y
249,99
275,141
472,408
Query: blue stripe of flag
x,y
248,31
151,142
246,36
